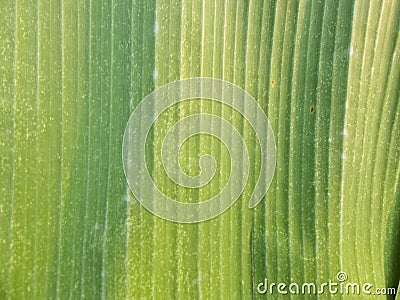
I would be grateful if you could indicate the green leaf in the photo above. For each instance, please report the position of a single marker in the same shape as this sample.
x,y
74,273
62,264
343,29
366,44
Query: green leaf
x,y
327,74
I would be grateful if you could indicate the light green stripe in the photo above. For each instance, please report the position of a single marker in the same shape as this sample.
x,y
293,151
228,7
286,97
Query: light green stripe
x,y
7,98
25,137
